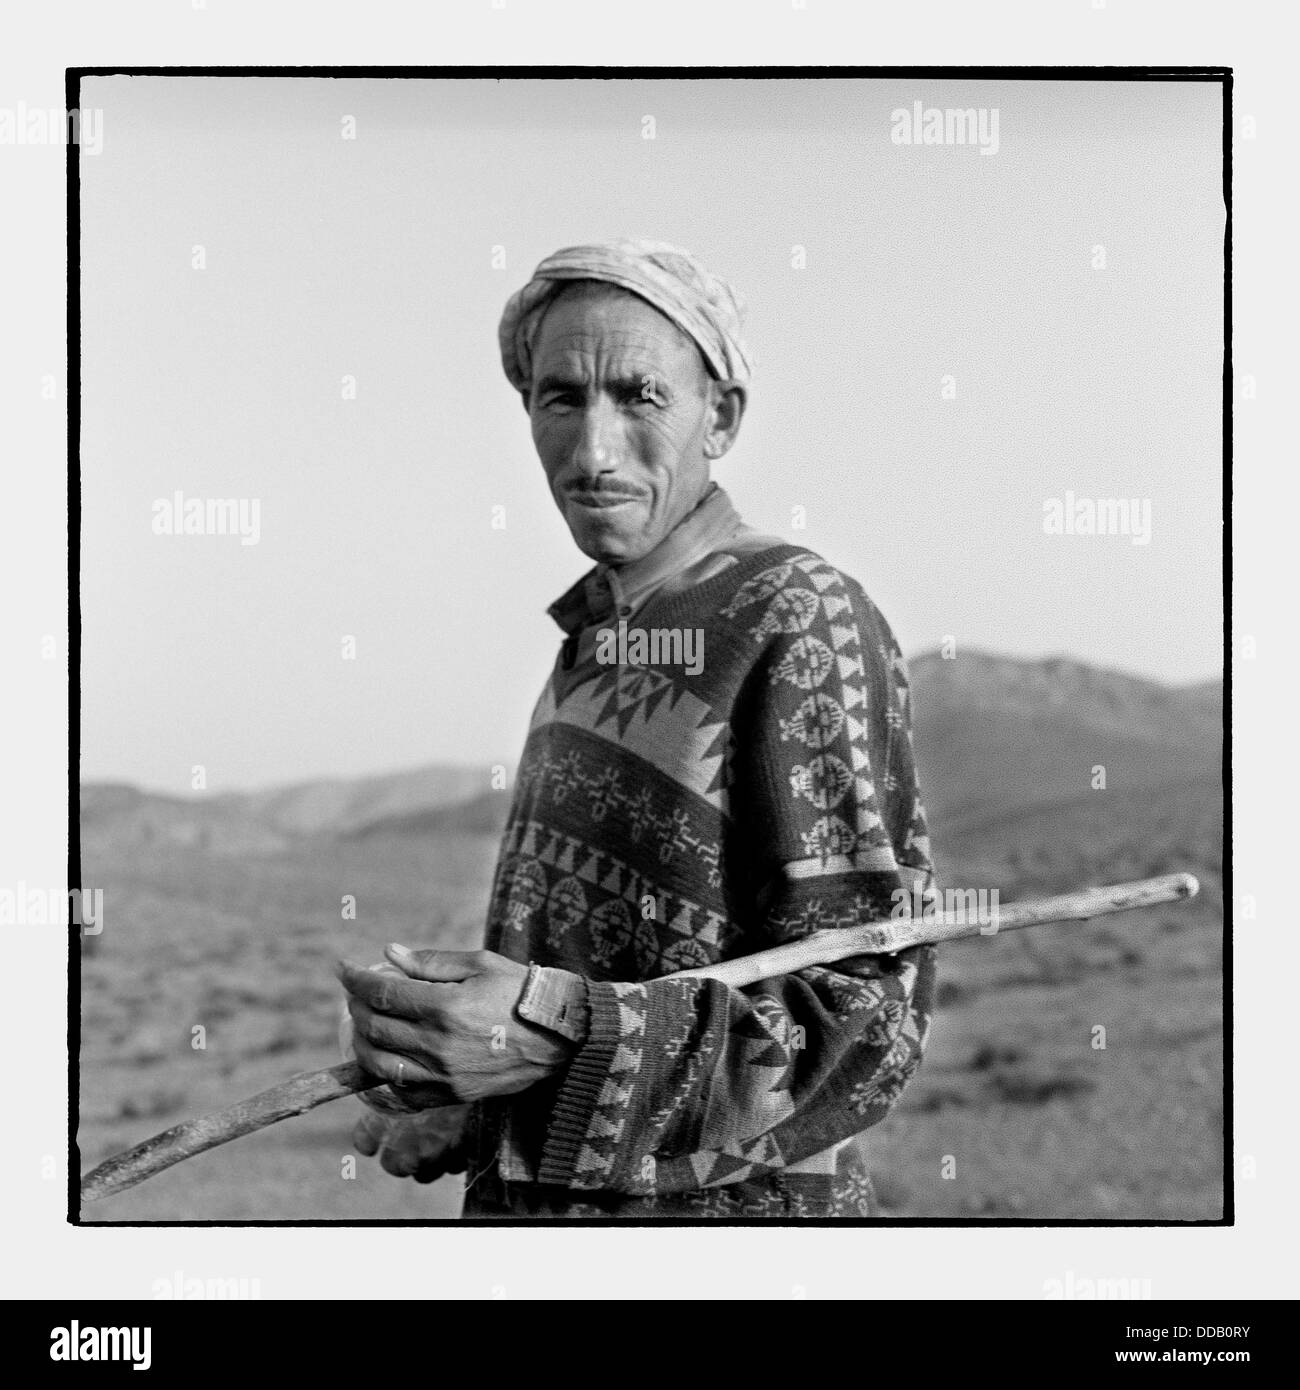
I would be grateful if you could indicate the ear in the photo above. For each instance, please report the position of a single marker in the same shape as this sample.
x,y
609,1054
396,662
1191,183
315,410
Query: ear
x,y
726,411
527,398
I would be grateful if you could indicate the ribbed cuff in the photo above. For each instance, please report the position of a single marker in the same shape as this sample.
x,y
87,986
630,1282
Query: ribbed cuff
x,y
582,1089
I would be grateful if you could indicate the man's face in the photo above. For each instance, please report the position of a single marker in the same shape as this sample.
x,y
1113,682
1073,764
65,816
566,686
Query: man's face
x,y
621,408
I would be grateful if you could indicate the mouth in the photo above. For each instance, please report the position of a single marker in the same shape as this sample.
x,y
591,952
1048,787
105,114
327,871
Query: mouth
x,y
599,502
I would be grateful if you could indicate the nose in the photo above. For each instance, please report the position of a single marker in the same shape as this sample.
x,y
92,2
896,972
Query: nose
x,y
598,448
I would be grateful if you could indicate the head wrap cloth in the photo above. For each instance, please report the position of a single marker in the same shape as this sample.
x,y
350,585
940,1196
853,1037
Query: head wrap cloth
x,y
672,280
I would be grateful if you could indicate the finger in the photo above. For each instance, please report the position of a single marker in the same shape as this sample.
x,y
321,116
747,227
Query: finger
x,y
436,967
411,1153
437,1160
386,993
456,1159
418,1100
368,1134
397,1070
390,1034
399,1156
386,1103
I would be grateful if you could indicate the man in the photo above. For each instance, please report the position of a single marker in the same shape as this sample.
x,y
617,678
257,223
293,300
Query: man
x,y
720,761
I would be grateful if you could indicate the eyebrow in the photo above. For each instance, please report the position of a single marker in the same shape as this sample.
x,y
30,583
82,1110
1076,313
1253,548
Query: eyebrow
x,y
625,385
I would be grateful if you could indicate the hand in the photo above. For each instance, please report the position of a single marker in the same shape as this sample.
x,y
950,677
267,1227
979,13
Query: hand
x,y
448,1031
384,1100
423,1146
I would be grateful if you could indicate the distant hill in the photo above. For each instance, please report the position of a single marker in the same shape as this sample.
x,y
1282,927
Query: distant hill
x,y
997,734
116,816
482,815
996,737
344,806
265,822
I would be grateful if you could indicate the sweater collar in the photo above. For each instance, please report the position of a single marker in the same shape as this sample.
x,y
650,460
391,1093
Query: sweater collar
x,y
609,591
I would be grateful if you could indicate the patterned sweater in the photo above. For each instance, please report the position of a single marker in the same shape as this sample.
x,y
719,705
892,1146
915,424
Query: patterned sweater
x,y
664,820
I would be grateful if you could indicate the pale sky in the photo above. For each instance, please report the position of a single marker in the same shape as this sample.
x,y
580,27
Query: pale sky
x,y
373,258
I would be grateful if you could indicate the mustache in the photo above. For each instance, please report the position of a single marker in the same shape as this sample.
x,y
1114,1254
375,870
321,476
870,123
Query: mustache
x,y
601,492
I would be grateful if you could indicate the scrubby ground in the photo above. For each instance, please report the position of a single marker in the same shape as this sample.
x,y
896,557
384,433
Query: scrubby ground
x,y
1018,1111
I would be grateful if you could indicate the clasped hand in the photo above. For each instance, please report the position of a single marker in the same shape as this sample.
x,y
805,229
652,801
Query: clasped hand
x,y
446,1030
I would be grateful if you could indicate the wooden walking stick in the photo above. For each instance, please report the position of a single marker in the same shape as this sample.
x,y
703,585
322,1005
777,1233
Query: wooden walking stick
x,y
309,1089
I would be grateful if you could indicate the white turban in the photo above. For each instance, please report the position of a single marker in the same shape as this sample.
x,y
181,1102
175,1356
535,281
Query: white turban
x,y
699,303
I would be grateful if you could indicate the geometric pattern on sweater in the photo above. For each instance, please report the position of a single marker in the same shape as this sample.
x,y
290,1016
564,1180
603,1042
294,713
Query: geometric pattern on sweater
x,y
661,821
591,906
651,716
609,791
834,676
790,1196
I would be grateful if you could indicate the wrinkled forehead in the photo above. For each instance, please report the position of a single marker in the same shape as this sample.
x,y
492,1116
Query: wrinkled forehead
x,y
589,319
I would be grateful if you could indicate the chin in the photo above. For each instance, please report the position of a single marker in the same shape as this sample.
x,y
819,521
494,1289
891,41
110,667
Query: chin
x,y
604,545
605,550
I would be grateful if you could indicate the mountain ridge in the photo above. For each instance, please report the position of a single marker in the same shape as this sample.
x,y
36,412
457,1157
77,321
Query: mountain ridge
x,y
995,735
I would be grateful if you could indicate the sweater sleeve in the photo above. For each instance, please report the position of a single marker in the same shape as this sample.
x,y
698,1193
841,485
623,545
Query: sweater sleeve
x,y
684,1084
